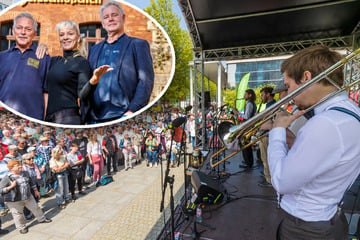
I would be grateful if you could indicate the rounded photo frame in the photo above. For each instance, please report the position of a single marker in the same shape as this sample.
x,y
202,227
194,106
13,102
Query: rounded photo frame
x,y
86,13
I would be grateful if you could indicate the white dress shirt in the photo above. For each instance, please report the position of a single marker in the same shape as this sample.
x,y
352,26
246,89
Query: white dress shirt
x,y
322,163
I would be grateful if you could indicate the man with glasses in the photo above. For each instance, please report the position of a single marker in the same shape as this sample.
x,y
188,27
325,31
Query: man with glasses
x,y
21,146
16,189
34,173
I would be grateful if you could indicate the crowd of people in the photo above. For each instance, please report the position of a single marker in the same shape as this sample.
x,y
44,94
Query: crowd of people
x,y
66,162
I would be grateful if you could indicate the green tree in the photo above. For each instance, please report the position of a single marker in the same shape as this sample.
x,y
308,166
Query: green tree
x,y
162,11
230,97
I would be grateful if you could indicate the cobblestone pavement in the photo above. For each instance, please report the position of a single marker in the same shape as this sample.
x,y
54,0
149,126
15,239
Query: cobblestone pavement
x,y
128,208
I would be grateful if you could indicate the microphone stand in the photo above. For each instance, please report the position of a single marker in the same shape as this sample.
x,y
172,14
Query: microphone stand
x,y
169,180
215,139
183,150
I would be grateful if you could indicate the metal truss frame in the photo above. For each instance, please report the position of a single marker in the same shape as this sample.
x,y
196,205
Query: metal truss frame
x,y
186,8
275,49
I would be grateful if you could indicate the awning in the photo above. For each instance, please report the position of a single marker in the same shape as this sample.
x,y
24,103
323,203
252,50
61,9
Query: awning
x,y
233,29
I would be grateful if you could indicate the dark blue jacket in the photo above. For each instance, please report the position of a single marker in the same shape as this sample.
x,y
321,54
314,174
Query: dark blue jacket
x,y
134,82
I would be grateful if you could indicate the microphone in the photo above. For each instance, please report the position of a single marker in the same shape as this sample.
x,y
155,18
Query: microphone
x,y
178,122
188,108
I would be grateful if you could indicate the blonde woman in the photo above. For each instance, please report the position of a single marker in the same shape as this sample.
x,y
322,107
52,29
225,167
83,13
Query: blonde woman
x,y
68,78
94,150
58,165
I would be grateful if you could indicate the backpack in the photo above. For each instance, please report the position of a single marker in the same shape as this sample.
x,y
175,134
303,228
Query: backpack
x,y
105,180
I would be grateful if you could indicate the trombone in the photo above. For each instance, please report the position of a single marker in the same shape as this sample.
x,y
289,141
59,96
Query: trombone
x,y
228,134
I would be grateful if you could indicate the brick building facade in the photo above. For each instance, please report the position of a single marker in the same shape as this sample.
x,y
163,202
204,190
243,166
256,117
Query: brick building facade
x,y
86,13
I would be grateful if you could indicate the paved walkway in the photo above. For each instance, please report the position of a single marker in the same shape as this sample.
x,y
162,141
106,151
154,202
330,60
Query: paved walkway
x,y
127,209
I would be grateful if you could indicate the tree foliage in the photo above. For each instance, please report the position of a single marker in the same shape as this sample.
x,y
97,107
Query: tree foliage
x,y
162,11
230,95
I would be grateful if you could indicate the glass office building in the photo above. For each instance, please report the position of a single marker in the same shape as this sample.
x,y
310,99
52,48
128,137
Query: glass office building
x,y
262,71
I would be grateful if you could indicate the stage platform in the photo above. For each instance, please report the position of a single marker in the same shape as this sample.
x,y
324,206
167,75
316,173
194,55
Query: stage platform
x,y
248,211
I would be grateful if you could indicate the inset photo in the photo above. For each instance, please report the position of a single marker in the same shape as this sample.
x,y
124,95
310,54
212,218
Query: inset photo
x,y
82,63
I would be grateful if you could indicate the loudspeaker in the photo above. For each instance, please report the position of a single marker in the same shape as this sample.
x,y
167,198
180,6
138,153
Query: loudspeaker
x,y
207,99
207,189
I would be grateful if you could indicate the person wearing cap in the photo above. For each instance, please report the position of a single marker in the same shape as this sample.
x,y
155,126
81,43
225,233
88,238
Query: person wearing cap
x,y
110,146
42,160
15,188
50,138
13,154
44,149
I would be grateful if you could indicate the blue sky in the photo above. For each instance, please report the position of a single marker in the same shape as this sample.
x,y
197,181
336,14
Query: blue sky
x,y
144,3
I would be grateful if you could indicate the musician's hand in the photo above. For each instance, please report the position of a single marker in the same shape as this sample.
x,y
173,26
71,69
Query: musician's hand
x,y
266,126
284,119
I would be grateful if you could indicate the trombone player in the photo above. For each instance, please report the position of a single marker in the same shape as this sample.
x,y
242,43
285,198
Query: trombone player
x,y
324,160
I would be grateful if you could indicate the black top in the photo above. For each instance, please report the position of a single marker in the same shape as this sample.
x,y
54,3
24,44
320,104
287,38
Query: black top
x,y
68,80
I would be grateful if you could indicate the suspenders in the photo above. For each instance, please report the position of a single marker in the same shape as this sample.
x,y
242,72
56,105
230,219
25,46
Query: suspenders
x,y
347,111
344,110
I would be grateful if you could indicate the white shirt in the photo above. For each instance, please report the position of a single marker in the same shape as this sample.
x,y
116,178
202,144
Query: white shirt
x,y
94,148
322,163
129,132
99,138
29,131
119,137
73,158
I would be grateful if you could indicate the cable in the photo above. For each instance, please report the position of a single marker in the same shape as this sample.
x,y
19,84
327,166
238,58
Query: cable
x,y
257,197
